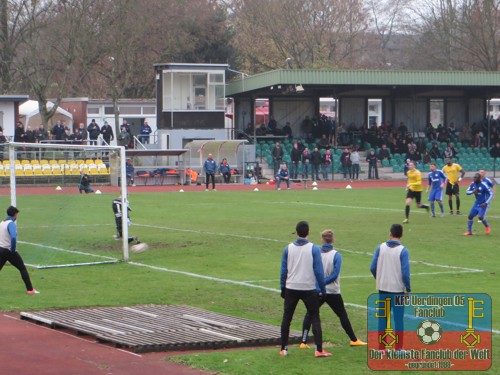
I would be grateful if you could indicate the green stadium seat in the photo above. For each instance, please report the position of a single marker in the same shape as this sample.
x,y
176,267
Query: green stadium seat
x,y
467,166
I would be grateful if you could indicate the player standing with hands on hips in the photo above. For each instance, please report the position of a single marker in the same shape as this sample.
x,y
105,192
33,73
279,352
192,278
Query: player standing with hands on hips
x,y
301,269
451,170
8,250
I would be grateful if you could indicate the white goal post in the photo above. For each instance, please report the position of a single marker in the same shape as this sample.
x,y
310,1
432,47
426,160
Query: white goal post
x,y
54,163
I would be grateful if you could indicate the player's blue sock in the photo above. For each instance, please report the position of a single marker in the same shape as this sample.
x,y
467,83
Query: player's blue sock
x,y
432,209
441,207
485,222
469,225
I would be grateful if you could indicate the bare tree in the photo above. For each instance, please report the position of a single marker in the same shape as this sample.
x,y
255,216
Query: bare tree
x,y
457,35
481,30
313,33
50,49
387,22
13,22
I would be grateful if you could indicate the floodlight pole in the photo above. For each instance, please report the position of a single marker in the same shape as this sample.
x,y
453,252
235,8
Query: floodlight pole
x,y
13,199
124,202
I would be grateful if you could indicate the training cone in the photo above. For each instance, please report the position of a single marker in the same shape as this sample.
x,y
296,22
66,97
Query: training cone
x,y
314,183
348,187
98,192
58,188
181,191
315,188
255,189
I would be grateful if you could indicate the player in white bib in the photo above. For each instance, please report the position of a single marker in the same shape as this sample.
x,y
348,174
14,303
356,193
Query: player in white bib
x,y
332,262
301,270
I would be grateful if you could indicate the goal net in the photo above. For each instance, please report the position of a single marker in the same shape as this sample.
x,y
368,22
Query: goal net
x,y
64,193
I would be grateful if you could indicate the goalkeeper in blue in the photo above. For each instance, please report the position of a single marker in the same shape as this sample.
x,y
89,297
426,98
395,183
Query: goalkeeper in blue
x,y
437,181
483,195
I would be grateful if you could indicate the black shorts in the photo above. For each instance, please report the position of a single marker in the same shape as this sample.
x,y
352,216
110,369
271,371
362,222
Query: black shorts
x,y
451,189
417,195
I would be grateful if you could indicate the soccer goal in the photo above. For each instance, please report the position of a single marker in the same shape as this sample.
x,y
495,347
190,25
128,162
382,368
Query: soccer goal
x,y
64,193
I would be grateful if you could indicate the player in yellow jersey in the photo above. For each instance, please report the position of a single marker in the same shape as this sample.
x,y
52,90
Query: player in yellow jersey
x,y
413,190
454,174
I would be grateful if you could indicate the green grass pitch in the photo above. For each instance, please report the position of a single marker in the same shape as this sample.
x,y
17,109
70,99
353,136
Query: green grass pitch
x,y
221,251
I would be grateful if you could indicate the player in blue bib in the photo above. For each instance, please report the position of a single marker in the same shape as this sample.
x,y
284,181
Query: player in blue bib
x,y
483,198
437,181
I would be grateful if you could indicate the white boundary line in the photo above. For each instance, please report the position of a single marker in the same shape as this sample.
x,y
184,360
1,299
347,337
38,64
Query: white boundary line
x,y
241,283
211,233
344,206
67,251
370,276
228,281
366,208
464,269
279,241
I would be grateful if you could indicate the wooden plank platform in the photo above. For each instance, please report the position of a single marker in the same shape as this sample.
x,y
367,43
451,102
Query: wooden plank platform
x,y
154,328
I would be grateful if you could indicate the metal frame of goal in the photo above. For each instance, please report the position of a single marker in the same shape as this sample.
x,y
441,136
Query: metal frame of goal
x,y
117,171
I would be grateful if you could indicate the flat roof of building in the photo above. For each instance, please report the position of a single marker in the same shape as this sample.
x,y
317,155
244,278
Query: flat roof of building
x,y
14,98
328,83
187,66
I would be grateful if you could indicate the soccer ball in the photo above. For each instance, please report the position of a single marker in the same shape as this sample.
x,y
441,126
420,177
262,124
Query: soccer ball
x,y
429,332
140,247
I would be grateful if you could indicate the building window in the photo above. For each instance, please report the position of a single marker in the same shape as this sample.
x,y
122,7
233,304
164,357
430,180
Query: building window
x,y
130,110
216,78
199,80
219,97
437,112
93,111
193,91
148,110
200,98
109,111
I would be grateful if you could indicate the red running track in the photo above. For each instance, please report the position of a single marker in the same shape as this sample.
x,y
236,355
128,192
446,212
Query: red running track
x,y
27,348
